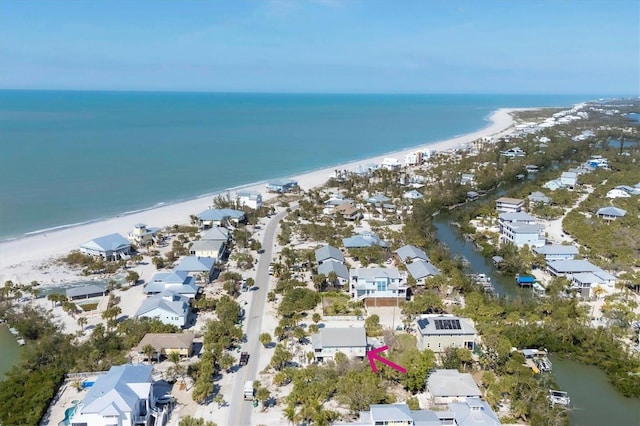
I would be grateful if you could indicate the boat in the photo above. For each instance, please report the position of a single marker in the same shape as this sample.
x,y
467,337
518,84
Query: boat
x,y
21,341
13,331
559,397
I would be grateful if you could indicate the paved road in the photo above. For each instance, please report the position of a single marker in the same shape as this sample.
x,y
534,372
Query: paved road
x,y
240,409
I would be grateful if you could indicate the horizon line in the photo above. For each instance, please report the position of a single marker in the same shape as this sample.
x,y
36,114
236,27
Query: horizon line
x,y
180,91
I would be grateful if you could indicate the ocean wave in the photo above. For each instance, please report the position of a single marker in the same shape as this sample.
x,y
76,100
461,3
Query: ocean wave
x,y
56,228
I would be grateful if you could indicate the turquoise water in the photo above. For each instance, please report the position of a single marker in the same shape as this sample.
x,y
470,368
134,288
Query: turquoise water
x,y
70,157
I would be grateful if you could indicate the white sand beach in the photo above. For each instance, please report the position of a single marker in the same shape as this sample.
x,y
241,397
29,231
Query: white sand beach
x,y
21,260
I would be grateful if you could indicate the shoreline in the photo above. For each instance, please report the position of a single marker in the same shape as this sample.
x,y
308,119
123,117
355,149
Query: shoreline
x,y
41,245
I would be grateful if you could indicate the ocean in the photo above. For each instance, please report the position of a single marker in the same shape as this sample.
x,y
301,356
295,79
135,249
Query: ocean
x,y
69,157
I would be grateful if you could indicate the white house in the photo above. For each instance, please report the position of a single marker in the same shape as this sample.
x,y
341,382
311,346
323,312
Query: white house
x,y
538,197
611,213
208,248
142,236
412,195
468,179
109,247
199,267
413,159
351,341
521,229
617,193
556,252
513,152
447,386
439,332
341,271
329,253
585,282
421,270
123,397
217,217
378,286
251,199
411,253
509,205
179,282
168,307
281,185
390,163
582,273
569,179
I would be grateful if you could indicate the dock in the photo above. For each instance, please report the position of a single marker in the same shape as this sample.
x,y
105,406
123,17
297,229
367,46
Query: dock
x,y
537,360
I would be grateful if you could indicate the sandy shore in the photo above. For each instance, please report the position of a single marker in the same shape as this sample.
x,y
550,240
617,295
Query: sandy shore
x,y
21,260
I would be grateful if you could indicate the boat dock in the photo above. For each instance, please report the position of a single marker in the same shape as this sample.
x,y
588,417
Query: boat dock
x,y
537,360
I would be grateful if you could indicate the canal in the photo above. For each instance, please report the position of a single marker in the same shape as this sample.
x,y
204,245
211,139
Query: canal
x,y
594,400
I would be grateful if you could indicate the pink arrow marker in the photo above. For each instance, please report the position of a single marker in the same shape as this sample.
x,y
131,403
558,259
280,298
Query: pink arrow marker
x,y
373,356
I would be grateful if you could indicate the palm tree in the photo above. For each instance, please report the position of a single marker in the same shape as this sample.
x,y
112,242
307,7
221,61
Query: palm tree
x,y
82,322
290,414
148,350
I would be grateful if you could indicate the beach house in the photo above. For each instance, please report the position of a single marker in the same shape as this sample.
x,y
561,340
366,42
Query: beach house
x,y
421,270
553,252
440,332
179,282
583,274
409,253
364,239
219,217
251,199
521,229
445,386
109,247
351,341
348,211
213,249
618,193
610,213
168,307
166,343
328,254
202,268
538,197
378,286
281,186
468,179
412,195
509,205
86,292
123,397
143,236
569,180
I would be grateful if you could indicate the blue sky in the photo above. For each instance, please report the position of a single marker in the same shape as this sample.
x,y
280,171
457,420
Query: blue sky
x,y
352,46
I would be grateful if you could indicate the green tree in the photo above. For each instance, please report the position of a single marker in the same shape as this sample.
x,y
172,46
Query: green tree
x,y
194,421
265,339
280,357
132,277
263,395
372,325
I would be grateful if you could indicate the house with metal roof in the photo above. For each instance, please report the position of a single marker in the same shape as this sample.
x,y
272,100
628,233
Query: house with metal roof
x,y
165,343
217,233
522,233
168,307
341,271
570,266
611,213
421,270
109,247
412,195
520,217
329,254
553,184
631,190
473,412
539,197
364,239
86,292
251,199
411,253
123,396
617,193
281,185
378,286
178,282
556,252
208,248
569,179
440,332
446,386
143,236
378,199
217,217
198,267
509,205
348,211
351,341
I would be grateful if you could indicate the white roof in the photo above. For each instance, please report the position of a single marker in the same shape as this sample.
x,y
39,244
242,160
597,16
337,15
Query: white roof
x,y
344,337
452,383
111,242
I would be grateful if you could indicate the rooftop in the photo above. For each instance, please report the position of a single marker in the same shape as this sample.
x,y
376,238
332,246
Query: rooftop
x,y
411,252
452,383
345,337
328,252
195,264
445,324
111,242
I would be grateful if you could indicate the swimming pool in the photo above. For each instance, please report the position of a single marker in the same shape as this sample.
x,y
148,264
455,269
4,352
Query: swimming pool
x,y
68,413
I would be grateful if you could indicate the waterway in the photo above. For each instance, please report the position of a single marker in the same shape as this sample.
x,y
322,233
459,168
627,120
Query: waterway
x,y
596,402
9,350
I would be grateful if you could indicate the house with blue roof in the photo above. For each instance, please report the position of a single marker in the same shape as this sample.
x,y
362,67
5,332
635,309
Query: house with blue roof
x,y
611,213
218,217
422,270
178,282
281,186
168,307
198,267
362,240
338,268
521,229
378,199
109,247
539,197
328,254
411,253
412,195
556,252
123,396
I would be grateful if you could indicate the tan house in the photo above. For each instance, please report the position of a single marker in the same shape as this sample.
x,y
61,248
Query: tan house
x,y
165,343
348,211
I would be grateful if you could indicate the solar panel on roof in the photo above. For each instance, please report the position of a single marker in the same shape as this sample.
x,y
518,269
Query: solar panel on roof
x,y
447,324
